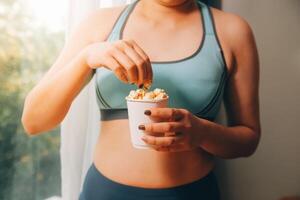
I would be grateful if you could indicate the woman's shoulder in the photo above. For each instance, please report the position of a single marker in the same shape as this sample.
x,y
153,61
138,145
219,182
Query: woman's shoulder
x,y
232,27
234,34
98,23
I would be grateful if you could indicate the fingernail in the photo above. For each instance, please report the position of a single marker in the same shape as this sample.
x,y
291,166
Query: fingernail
x,y
177,118
141,85
147,112
141,127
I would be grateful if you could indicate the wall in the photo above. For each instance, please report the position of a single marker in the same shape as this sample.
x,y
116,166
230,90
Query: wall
x,y
274,170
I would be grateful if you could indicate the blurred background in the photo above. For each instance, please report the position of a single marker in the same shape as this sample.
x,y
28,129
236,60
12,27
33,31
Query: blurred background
x,y
273,171
32,32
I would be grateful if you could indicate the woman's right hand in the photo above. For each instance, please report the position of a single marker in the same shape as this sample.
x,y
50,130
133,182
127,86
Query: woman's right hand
x,y
124,57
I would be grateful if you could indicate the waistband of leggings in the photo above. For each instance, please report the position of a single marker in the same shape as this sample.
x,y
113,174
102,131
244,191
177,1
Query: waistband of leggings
x,y
196,185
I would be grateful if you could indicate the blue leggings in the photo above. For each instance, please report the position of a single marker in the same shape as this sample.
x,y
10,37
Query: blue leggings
x,y
98,187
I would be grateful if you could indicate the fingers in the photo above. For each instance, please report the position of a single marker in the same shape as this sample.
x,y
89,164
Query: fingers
x,y
162,127
171,148
163,141
121,74
117,68
140,59
149,74
166,114
134,61
137,60
126,62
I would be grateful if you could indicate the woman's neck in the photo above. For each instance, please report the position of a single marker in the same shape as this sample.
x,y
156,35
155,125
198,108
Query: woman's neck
x,y
156,10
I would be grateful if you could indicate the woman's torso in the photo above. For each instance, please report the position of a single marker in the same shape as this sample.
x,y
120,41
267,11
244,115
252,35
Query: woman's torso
x,y
114,155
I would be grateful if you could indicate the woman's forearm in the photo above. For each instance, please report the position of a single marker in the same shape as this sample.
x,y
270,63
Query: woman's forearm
x,y
226,142
48,102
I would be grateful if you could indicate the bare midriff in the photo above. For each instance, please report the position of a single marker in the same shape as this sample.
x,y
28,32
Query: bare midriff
x,y
118,160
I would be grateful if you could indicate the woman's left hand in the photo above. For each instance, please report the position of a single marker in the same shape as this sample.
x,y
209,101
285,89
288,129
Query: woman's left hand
x,y
174,129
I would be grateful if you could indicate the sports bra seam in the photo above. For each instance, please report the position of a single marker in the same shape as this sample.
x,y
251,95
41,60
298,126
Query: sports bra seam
x,y
211,103
97,95
214,101
100,97
215,96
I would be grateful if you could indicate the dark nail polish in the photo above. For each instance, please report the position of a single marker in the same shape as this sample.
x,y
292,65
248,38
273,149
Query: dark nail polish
x,y
177,117
141,127
141,85
147,112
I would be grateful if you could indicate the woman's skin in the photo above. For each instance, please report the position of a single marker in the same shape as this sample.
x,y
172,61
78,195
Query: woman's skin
x,y
48,102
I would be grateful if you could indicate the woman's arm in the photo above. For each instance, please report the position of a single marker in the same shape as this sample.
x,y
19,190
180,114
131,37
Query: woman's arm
x,y
241,100
48,102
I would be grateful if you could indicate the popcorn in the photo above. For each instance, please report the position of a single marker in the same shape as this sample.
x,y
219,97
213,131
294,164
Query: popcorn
x,y
141,94
138,94
149,95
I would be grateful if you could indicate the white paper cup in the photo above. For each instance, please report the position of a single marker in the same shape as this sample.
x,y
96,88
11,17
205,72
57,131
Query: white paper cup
x,y
136,117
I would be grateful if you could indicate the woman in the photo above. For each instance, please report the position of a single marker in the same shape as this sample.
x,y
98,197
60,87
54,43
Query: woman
x,y
198,55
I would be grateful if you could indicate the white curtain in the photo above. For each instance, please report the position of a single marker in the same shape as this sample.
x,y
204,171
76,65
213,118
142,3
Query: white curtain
x,y
80,127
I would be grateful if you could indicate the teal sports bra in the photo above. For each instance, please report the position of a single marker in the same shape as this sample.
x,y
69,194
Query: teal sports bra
x,y
197,81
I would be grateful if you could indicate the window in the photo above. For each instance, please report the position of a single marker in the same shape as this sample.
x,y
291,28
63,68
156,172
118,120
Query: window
x,y
31,36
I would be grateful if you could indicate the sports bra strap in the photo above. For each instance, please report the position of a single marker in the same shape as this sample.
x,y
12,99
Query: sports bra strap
x,y
208,20
122,17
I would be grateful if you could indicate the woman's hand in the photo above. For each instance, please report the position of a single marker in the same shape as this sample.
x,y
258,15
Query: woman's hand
x,y
173,131
125,58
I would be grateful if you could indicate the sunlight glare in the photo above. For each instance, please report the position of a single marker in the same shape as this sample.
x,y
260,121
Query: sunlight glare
x,y
50,13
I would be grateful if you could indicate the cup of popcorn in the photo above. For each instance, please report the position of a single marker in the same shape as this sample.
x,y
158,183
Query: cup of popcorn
x,y
137,102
